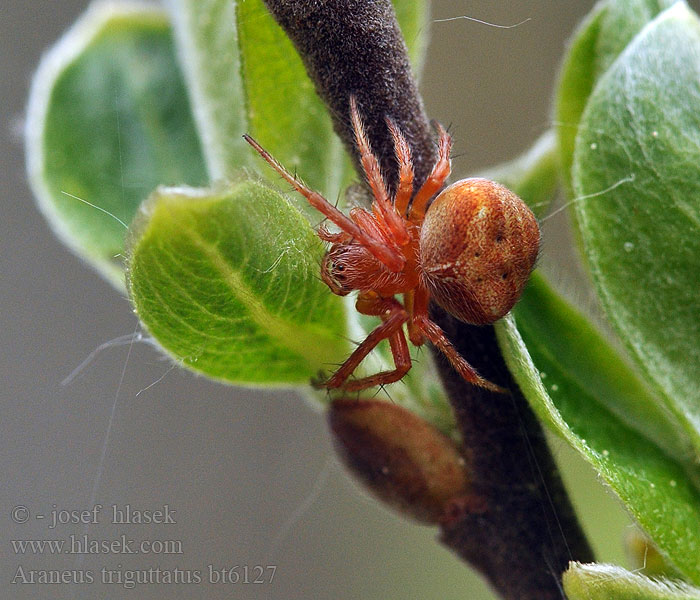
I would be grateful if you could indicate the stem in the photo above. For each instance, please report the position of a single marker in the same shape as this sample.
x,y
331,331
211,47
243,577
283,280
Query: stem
x,y
355,47
525,539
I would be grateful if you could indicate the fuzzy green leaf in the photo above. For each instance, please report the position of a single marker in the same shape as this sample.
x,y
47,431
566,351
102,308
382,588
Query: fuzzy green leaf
x,y
622,21
284,113
596,44
576,80
245,76
208,48
565,333
566,337
609,582
227,282
640,139
575,383
414,19
108,120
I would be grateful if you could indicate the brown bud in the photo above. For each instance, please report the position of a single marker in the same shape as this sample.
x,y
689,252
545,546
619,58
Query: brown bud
x,y
401,458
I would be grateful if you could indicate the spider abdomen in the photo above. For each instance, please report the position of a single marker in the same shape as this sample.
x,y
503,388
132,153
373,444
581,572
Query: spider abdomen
x,y
478,245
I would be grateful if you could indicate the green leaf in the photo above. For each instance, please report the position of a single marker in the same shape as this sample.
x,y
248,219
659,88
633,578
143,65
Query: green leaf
x,y
640,140
227,282
576,80
623,20
414,19
609,582
284,113
556,329
605,32
575,383
108,120
208,49
245,76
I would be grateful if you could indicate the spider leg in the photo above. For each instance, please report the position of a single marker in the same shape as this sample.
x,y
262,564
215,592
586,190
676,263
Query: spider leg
x,y
437,337
382,205
414,333
403,157
436,179
367,222
393,318
393,259
402,363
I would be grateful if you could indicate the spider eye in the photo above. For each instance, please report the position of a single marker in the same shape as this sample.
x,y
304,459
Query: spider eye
x,y
337,271
332,274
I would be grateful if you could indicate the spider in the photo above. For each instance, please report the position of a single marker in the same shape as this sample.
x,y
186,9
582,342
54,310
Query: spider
x,y
471,250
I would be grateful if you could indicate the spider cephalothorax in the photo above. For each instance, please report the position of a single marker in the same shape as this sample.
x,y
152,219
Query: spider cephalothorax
x,y
472,252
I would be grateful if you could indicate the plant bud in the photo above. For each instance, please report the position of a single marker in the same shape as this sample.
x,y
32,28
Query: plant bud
x,y
401,458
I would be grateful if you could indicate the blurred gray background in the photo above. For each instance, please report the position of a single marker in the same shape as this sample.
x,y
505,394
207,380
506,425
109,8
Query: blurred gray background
x,y
250,474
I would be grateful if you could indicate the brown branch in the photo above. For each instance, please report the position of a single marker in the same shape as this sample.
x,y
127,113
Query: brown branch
x,y
356,47
528,533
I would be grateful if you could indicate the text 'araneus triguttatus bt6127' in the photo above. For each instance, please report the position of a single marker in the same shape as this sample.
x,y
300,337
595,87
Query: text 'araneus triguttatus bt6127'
x,y
471,250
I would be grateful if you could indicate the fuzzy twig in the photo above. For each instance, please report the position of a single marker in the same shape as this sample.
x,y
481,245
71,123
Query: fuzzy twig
x,y
523,540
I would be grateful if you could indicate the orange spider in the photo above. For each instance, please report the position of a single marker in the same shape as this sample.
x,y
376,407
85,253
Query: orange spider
x,y
472,252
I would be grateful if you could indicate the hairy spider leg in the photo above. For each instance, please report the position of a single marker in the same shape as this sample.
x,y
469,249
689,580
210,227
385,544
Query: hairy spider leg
x,y
414,333
393,259
367,222
393,317
402,362
435,180
437,338
403,158
382,205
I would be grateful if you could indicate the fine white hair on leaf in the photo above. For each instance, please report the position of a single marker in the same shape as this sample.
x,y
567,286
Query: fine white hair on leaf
x,y
601,573
287,248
